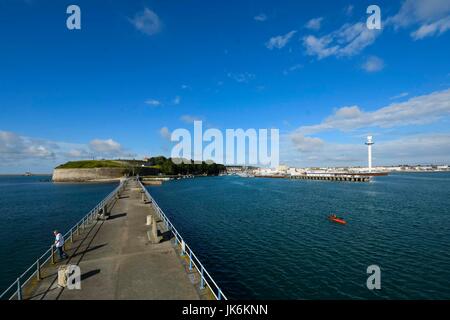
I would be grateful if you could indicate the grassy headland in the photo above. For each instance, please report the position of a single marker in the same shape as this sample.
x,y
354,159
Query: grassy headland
x,y
153,166
91,164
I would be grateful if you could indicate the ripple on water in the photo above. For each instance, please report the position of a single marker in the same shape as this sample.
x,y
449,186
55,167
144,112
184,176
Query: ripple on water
x,y
270,238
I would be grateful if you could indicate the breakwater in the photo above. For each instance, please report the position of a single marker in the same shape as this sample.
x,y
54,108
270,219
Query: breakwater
x,y
333,177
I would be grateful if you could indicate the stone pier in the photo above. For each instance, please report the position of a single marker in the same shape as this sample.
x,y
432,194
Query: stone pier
x,y
119,261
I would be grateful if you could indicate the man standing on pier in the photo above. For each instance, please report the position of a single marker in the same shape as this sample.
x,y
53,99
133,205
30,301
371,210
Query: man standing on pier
x,y
59,244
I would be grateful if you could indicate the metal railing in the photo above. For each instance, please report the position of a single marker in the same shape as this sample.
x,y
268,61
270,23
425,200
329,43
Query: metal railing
x,y
15,289
205,278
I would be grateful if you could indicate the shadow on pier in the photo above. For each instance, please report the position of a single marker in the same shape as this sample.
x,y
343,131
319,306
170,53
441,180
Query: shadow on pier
x,y
117,260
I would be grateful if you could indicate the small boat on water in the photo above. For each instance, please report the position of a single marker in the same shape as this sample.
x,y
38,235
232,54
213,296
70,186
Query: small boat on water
x,y
337,219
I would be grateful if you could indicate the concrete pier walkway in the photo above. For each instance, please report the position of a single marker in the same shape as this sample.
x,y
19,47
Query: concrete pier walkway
x,y
118,261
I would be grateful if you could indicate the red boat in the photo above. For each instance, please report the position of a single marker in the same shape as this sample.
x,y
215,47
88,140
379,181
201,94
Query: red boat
x,y
336,219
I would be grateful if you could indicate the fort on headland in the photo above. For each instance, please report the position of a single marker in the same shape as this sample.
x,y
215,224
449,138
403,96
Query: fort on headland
x,y
114,170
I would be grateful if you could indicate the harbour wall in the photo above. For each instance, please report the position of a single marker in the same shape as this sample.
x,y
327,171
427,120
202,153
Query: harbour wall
x,y
326,177
87,175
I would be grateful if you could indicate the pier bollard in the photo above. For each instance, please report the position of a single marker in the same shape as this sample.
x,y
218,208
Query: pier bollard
x,y
154,234
149,220
62,276
143,196
105,213
99,214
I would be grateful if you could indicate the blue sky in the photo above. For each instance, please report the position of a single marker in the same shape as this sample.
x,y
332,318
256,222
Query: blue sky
x,y
139,69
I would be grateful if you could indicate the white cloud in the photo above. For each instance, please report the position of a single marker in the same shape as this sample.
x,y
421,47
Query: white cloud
x,y
301,147
260,17
431,17
189,118
348,40
373,64
153,102
307,144
176,100
434,148
20,153
78,154
435,28
292,69
280,41
349,10
415,111
241,77
314,24
108,146
400,95
147,22
14,147
165,133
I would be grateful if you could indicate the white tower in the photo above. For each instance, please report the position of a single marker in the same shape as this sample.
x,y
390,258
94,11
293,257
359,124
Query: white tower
x,y
369,147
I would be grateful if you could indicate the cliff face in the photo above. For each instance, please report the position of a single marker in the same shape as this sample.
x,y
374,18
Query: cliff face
x,y
87,175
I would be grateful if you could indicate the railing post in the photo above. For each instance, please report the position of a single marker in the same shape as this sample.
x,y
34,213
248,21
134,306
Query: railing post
x,y
190,260
202,281
219,294
183,247
78,230
71,235
38,270
19,289
53,254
